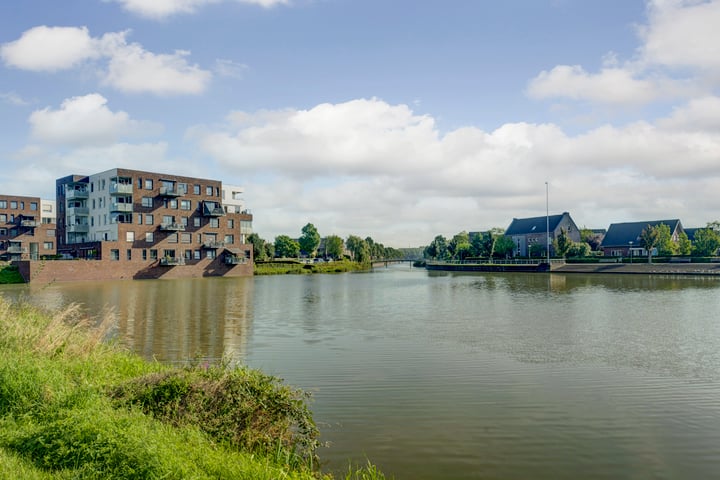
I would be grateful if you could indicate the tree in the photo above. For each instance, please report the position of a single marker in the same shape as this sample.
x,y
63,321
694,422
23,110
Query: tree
x,y
437,250
562,243
309,240
649,239
459,247
358,248
334,246
259,252
589,237
706,243
503,246
684,244
579,249
269,250
491,238
666,245
286,247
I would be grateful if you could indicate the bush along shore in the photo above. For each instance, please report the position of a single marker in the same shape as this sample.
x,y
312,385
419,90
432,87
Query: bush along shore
x,y
290,266
73,406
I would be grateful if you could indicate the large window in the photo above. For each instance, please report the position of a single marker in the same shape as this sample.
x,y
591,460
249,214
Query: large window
x,y
147,202
186,238
48,245
209,191
214,223
153,254
196,221
196,189
185,204
229,239
148,184
3,203
13,204
149,237
114,254
129,236
149,219
33,205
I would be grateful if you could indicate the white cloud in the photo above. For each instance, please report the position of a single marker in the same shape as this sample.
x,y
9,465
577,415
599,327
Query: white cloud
x,y
129,68
84,120
159,9
699,114
45,48
229,68
13,98
366,166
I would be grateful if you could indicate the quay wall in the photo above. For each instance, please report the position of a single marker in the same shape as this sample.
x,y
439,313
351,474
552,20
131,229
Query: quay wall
x,y
49,271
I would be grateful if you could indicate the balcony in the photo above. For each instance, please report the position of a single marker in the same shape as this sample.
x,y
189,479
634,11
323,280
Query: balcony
x,y
29,223
121,189
81,211
172,227
172,261
77,194
213,209
78,228
213,245
171,192
16,249
121,207
235,260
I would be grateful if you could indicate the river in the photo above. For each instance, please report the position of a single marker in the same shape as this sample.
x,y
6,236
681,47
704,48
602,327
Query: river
x,y
457,376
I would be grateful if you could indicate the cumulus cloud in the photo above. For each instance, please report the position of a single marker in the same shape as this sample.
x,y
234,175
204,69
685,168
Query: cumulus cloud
x,y
159,9
84,120
122,65
51,49
367,166
676,55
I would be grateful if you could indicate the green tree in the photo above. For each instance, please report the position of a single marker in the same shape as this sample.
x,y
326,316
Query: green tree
x,y
666,245
706,242
649,240
334,246
358,248
309,240
503,246
589,237
562,243
684,244
459,246
286,247
437,250
269,250
491,239
579,249
259,253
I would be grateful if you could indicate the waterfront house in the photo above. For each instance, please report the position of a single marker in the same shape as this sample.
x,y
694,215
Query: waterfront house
x,y
27,228
623,239
526,232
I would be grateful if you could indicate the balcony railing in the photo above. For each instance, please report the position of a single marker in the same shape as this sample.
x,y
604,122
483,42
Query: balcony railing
x,y
84,211
172,261
16,249
121,207
121,189
76,194
29,223
213,245
235,260
78,228
212,209
171,192
172,227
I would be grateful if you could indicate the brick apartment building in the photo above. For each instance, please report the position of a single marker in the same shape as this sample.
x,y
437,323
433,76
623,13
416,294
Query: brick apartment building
x,y
151,225
27,228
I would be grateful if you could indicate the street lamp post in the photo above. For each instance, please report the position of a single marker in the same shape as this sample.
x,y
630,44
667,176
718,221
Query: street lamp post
x,y
631,251
547,222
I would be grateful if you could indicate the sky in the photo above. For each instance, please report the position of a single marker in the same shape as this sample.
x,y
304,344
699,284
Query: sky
x,y
395,119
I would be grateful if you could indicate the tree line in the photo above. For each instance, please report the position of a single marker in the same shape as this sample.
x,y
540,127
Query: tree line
x,y
705,243
310,245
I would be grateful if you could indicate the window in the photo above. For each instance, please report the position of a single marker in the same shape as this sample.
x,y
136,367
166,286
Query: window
x,y
144,254
147,202
3,217
172,238
129,236
139,182
3,231
153,254
139,218
184,221
231,223
182,188
196,221
114,254
214,223
185,204
209,191
168,220
149,237
129,254
188,254
197,254
47,207
13,204
174,203
210,254
48,245
149,219
22,205
196,189
148,184
102,184
33,205
3,203
186,237
229,239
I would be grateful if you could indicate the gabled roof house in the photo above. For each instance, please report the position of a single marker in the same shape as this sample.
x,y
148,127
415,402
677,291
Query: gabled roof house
x,y
623,238
526,232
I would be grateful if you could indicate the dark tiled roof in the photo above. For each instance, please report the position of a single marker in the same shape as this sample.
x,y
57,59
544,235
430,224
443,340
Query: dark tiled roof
x,y
524,226
621,234
690,232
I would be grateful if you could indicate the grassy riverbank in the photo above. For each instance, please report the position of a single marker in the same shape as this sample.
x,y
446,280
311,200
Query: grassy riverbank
x,y
284,267
75,407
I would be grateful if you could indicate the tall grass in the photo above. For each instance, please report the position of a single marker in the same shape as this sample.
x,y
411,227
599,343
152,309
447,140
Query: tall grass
x,y
73,406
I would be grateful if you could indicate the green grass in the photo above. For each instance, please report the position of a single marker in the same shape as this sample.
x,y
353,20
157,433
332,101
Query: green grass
x,y
294,267
10,274
75,407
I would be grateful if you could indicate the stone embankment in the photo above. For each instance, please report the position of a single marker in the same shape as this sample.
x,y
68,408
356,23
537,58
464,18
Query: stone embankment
x,y
641,268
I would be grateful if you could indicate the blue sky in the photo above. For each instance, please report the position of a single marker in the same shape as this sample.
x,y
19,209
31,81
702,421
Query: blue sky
x,y
395,119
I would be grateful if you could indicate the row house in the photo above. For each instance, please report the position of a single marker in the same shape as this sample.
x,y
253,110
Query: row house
x,y
142,221
27,228
526,232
